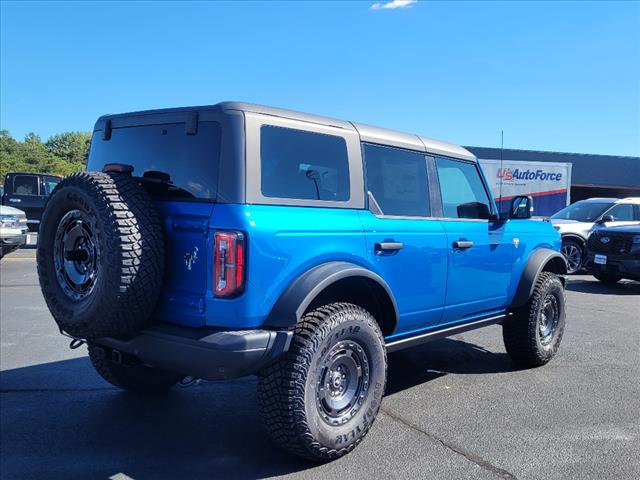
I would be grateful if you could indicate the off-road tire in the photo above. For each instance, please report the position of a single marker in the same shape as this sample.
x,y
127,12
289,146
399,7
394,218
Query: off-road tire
x,y
522,332
136,378
130,264
608,278
288,392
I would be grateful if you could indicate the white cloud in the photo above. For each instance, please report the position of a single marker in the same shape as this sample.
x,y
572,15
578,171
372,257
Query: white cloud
x,y
393,4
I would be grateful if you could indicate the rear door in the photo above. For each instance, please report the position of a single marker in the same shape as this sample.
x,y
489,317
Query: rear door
x,y
406,246
480,250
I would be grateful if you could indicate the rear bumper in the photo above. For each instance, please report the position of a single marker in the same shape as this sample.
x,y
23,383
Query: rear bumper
x,y
206,353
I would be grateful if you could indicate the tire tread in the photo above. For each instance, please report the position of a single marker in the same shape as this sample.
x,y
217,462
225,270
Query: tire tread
x,y
281,386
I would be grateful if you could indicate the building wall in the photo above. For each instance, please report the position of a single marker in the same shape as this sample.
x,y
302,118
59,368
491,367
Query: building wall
x,y
591,176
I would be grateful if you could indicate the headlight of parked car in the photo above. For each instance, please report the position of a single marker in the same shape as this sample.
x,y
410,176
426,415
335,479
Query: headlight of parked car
x,y
8,221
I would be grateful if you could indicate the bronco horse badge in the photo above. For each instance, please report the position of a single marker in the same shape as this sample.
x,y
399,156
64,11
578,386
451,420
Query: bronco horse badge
x,y
190,258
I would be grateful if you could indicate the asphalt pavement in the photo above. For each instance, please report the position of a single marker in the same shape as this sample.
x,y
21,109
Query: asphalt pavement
x,y
454,409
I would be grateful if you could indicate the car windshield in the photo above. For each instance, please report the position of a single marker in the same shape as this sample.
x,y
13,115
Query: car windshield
x,y
583,211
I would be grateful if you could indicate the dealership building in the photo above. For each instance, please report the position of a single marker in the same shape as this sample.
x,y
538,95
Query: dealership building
x,y
591,175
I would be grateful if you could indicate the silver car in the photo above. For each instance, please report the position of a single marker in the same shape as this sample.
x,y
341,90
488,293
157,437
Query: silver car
x,y
576,221
13,229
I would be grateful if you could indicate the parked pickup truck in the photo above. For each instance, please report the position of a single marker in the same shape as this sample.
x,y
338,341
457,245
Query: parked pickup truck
x,y
29,192
236,239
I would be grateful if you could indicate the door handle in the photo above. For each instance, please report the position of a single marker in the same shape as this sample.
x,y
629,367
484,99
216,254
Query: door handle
x,y
388,248
462,244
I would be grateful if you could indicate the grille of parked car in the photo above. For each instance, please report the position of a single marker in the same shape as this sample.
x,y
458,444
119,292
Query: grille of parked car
x,y
607,242
13,221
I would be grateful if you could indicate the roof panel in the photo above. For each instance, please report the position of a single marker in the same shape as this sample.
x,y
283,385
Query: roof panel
x,y
281,112
391,138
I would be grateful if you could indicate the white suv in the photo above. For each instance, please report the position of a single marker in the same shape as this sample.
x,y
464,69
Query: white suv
x,y
576,221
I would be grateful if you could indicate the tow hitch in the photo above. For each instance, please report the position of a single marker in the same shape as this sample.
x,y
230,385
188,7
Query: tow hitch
x,y
75,342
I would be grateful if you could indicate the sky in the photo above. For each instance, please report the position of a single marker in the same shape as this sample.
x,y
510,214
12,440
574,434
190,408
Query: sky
x,y
554,76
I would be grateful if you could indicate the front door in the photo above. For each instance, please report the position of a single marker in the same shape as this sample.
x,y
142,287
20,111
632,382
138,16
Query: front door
x,y
406,247
480,250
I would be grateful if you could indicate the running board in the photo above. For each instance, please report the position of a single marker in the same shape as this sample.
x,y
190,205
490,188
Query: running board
x,y
445,332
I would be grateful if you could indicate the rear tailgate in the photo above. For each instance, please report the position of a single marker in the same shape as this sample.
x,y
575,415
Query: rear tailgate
x,y
187,267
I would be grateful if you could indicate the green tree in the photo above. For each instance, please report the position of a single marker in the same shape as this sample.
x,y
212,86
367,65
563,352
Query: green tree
x,y
70,146
35,154
62,154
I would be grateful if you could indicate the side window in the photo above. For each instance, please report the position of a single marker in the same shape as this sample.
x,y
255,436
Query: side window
x,y
622,212
462,191
397,179
48,184
303,165
25,185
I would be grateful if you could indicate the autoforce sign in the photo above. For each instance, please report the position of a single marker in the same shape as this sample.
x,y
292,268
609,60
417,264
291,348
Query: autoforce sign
x,y
506,174
548,183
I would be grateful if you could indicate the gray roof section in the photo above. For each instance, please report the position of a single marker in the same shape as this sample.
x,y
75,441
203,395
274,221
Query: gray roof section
x,y
280,112
602,170
367,133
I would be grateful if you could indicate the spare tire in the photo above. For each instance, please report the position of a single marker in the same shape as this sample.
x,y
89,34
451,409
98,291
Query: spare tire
x,y
100,255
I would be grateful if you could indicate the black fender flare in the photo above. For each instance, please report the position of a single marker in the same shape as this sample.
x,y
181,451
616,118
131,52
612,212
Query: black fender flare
x,y
293,302
536,263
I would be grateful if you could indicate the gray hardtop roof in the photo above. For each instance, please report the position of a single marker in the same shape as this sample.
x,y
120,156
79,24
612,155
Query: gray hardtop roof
x,y
367,133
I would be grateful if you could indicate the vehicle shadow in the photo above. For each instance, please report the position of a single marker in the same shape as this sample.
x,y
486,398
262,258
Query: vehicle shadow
x,y
592,285
414,366
60,420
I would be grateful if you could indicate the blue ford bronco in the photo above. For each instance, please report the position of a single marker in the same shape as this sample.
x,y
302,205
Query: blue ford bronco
x,y
236,239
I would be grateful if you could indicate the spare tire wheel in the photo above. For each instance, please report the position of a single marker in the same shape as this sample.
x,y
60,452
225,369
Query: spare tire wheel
x,y
100,255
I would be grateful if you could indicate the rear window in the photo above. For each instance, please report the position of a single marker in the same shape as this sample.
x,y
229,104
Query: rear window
x,y
25,185
303,165
190,161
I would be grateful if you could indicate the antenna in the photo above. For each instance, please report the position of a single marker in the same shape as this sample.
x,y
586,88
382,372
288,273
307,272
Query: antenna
x,y
501,168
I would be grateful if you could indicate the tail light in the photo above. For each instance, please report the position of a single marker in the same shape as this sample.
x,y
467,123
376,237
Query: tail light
x,y
228,263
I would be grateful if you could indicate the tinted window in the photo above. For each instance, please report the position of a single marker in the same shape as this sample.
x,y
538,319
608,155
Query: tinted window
x,y
582,211
463,194
191,161
303,165
25,185
48,184
397,179
622,212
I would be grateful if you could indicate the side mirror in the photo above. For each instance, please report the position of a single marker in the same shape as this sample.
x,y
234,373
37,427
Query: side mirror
x,y
521,207
605,219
